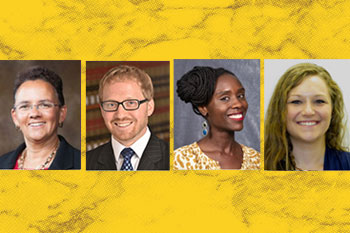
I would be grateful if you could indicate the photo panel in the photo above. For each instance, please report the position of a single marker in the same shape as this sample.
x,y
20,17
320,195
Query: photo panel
x,y
69,128
311,112
96,131
189,127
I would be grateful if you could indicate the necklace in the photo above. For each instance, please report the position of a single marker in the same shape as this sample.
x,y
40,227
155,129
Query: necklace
x,y
40,166
299,169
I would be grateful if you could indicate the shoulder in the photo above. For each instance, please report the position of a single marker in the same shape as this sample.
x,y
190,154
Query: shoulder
x,y
184,155
156,151
98,150
67,156
188,150
93,154
342,154
337,159
250,152
251,158
8,160
156,142
68,147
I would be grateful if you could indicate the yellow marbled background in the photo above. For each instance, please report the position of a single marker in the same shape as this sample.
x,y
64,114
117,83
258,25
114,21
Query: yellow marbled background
x,y
201,201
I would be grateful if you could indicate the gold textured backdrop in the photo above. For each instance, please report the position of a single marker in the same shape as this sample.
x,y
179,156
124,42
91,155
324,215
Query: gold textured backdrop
x,y
183,201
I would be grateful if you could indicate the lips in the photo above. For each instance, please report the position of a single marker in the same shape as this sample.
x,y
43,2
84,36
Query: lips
x,y
236,116
123,124
36,124
307,123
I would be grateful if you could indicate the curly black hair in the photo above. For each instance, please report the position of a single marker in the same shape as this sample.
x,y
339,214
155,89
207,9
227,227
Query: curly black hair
x,y
197,85
40,73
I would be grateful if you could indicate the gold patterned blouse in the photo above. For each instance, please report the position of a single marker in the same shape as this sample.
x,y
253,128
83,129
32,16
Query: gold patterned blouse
x,y
191,157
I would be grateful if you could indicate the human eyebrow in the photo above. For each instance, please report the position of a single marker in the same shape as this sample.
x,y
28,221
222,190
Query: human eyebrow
x,y
44,100
241,89
322,98
295,95
23,102
223,93
226,92
320,95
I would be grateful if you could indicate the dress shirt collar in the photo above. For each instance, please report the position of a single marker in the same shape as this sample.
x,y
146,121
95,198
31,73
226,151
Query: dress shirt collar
x,y
139,146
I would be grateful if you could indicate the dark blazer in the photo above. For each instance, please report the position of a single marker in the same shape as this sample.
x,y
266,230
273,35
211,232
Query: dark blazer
x,y
154,157
67,157
334,160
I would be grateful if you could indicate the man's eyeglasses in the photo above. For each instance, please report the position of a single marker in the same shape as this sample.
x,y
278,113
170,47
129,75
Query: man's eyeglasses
x,y
43,106
128,105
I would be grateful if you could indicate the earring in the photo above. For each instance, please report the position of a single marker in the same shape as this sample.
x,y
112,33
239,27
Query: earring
x,y
204,128
17,128
60,124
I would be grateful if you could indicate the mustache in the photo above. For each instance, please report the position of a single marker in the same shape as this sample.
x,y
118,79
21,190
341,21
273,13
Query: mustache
x,y
122,119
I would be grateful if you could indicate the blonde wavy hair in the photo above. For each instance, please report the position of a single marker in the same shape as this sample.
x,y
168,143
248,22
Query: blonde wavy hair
x,y
278,147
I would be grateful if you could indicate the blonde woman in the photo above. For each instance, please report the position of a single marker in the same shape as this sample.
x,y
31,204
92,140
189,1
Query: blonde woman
x,y
304,127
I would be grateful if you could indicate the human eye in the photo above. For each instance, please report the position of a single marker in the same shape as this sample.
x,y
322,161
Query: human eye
x,y
131,103
241,96
109,105
45,105
225,98
320,101
295,102
23,107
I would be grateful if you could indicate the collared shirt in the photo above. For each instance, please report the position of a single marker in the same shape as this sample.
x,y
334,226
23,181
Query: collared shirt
x,y
139,146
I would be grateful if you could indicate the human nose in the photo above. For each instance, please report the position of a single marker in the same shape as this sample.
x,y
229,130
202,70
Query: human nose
x,y
236,103
34,110
308,108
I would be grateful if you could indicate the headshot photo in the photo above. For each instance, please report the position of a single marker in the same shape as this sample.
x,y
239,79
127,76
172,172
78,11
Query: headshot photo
x,y
41,126
216,114
306,113
127,115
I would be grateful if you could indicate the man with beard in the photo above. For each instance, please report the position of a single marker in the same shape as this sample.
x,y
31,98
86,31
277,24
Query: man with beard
x,y
126,102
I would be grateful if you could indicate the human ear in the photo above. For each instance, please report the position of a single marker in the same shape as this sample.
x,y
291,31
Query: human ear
x,y
14,118
203,110
63,114
150,107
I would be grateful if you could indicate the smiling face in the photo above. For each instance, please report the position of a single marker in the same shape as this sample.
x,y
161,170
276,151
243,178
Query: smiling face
x,y
228,106
126,126
37,125
309,110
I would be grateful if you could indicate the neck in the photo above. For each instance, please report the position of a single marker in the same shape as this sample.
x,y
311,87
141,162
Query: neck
x,y
37,150
309,156
220,140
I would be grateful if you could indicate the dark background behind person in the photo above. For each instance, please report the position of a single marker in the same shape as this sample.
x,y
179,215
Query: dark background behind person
x,y
188,125
96,131
69,71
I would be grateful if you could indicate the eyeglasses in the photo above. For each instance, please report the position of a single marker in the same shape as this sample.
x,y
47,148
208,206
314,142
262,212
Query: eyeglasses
x,y
128,105
43,106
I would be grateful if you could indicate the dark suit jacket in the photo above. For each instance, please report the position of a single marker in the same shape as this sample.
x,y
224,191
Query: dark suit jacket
x,y
154,157
67,157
